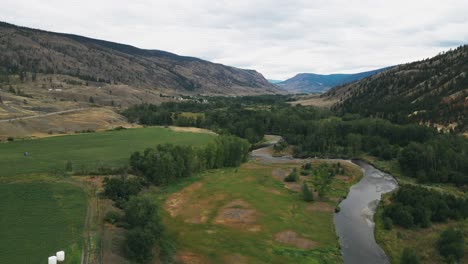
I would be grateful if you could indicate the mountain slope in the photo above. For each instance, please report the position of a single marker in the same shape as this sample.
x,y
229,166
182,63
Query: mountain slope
x,y
37,51
431,91
313,83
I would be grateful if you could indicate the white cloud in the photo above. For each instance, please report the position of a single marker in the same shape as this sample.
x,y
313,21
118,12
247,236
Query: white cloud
x,y
277,38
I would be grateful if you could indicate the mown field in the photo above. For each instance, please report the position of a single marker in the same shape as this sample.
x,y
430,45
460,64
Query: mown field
x,y
87,151
39,219
249,215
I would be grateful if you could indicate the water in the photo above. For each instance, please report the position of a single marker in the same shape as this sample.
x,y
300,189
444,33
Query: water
x,y
354,223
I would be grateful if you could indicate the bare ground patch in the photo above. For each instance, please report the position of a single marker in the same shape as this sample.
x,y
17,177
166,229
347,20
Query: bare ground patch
x,y
187,257
177,201
290,237
181,204
320,207
239,214
191,129
235,259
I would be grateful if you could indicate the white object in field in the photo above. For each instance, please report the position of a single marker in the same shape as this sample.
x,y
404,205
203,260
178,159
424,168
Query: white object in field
x,y
61,255
53,260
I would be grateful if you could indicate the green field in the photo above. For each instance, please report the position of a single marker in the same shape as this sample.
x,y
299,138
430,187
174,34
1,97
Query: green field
x,y
41,213
90,151
277,209
39,219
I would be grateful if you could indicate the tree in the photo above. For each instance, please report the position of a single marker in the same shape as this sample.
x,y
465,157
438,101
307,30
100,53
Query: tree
x,y
451,244
91,99
409,257
69,166
292,177
139,245
307,195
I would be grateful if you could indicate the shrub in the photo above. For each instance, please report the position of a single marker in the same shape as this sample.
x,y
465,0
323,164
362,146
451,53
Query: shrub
x,y
451,244
409,257
10,139
292,177
307,195
112,217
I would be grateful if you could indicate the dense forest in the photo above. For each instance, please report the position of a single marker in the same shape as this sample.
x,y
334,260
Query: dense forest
x,y
422,152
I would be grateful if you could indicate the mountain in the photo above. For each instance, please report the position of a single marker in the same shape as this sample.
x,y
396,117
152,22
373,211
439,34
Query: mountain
x,y
274,81
24,50
318,83
432,91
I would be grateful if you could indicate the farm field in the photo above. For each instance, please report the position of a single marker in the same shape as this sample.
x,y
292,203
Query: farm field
x,y
40,218
249,215
87,151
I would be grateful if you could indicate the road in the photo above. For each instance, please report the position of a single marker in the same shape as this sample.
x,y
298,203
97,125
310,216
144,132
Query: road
x,y
43,115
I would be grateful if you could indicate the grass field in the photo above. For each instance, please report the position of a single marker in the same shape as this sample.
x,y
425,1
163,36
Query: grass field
x,y
110,148
238,216
39,219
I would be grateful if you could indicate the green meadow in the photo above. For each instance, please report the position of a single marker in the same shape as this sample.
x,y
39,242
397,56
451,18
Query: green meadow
x,y
87,151
39,219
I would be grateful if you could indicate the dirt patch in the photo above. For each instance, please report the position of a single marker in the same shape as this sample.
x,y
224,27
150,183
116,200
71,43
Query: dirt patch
x,y
177,201
320,207
180,204
344,178
280,174
273,191
292,238
191,129
187,257
235,259
240,214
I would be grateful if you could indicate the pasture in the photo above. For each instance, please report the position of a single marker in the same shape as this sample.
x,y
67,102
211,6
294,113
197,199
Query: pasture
x,y
87,151
40,218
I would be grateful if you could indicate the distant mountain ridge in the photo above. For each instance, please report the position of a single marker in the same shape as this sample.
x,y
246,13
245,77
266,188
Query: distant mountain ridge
x,y
31,50
431,91
318,83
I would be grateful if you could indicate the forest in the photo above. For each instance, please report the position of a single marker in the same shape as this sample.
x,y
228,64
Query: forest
x,y
422,152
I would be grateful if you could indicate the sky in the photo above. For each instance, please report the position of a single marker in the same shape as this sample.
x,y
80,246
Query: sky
x,y
277,38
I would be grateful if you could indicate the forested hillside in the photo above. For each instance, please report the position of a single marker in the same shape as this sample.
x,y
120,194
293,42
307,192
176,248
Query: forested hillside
x,y
431,91
25,51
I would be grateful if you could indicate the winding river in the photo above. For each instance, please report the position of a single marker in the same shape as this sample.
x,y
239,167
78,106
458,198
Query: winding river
x,y
354,223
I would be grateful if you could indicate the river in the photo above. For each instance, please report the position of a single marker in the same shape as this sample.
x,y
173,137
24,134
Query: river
x,y
354,224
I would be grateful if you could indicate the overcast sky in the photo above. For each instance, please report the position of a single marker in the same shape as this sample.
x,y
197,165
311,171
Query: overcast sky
x,y
277,38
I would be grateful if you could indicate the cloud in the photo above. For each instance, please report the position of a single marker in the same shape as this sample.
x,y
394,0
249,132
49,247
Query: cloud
x,y
277,38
